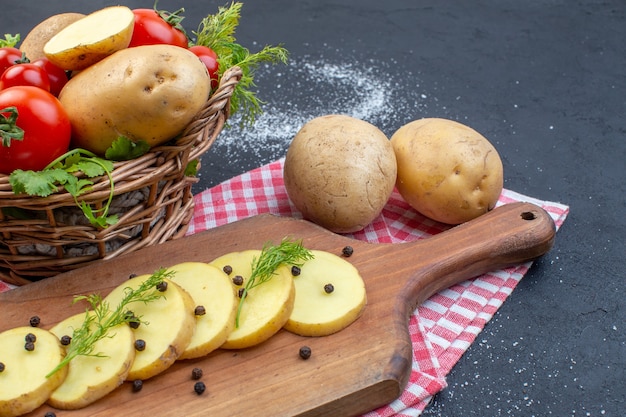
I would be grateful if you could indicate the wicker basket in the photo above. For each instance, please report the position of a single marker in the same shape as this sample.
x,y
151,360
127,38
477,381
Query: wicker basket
x,y
152,197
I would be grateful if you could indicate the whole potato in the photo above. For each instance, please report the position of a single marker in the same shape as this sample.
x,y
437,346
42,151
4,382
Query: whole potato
x,y
148,93
447,171
339,172
32,45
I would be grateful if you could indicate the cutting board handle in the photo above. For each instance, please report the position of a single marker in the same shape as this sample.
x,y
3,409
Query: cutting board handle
x,y
508,235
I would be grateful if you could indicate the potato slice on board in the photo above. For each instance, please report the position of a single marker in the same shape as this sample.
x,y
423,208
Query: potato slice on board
x,y
23,382
168,323
330,295
266,308
92,38
90,378
211,289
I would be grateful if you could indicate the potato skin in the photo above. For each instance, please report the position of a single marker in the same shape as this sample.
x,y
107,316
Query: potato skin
x,y
339,172
446,170
148,93
32,45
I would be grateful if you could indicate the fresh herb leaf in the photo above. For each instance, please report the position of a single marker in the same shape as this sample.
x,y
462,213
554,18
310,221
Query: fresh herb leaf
x,y
218,33
124,149
264,267
60,173
192,168
100,318
9,40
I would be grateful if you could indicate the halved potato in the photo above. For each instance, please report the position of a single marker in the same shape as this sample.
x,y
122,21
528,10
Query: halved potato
x,y
168,326
211,289
266,308
23,382
34,41
92,38
330,295
90,378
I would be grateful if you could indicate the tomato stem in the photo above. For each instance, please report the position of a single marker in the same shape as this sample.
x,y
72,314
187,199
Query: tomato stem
x,y
9,130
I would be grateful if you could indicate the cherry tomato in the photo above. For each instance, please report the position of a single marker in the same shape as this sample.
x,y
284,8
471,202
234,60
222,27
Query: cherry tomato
x,y
45,125
9,56
209,58
25,74
57,76
152,28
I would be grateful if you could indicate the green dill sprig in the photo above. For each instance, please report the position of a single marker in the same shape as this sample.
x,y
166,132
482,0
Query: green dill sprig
x,y
264,267
100,318
218,33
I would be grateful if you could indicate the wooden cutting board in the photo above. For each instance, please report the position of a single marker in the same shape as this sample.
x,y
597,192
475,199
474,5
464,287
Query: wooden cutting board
x,y
350,372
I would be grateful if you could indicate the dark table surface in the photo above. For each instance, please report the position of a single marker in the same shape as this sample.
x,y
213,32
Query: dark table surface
x,y
545,81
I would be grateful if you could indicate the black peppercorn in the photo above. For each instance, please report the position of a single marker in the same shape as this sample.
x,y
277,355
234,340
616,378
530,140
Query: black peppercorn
x,y
30,338
227,269
29,346
140,344
1,367
238,280
196,373
137,385
35,321
131,276
66,340
162,286
199,311
240,292
347,251
199,387
305,352
328,288
295,270
50,414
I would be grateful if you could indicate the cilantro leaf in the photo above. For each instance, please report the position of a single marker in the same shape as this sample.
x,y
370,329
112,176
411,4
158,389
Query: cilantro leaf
x,y
123,149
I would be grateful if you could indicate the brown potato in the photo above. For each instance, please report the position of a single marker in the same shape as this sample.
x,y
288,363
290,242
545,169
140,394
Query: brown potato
x,y
339,172
447,171
33,42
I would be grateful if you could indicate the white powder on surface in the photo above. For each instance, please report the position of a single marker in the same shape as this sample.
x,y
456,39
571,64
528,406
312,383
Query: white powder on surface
x,y
307,88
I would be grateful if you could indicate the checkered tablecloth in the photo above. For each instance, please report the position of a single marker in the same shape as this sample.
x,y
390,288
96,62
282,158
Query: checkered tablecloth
x,y
442,328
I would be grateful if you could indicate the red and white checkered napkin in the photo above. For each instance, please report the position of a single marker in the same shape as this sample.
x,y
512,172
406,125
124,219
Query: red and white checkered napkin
x,y
442,328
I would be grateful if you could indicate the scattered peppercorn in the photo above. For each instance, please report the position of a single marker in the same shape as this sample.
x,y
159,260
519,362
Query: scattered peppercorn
x,y
347,251
238,280
305,352
30,338
240,292
199,311
199,387
130,276
162,286
66,340
137,385
29,346
295,270
140,344
328,288
2,367
196,373
227,269
35,321
50,414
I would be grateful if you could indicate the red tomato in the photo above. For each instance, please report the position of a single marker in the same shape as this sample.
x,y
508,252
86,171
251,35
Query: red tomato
x,y
57,76
9,56
45,124
25,74
152,28
209,58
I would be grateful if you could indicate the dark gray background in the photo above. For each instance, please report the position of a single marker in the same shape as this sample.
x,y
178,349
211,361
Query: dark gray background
x,y
545,81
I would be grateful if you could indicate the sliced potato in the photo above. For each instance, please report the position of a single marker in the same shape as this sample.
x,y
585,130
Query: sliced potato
x,y
90,378
167,328
321,309
266,308
92,38
211,289
23,382
32,45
